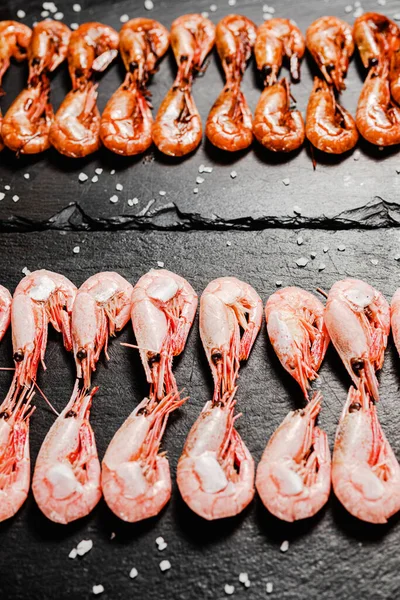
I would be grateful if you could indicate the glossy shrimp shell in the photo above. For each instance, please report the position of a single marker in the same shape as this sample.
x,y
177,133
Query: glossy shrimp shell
x,y
329,126
294,474
127,120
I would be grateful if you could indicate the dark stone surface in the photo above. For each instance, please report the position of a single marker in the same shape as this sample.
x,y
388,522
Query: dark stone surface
x,y
330,556
339,191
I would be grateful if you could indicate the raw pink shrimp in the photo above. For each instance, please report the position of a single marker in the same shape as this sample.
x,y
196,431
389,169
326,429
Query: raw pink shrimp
x,y
127,120
395,319
229,124
216,470
75,131
66,480
330,41
102,306
26,124
296,329
177,129
277,39
294,474
40,298
357,317
15,469
5,310
365,472
136,480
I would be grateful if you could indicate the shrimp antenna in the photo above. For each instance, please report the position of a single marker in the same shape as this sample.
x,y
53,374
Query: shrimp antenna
x,y
46,399
138,347
322,292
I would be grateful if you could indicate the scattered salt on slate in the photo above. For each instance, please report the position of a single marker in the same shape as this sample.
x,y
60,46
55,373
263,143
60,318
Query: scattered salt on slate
x,y
325,249
299,240
341,247
195,190
76,250
82,177
286,181
269,588
284,546
297,210
124,18
200,180
165,565
95,179
278,283
119,187
229,589
321,267
98,589
133,573
161,265
148,4
76,8
233,174
2,195
74,26
114,199
374,261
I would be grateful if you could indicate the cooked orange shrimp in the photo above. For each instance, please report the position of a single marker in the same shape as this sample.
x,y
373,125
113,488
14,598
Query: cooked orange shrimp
x,y
40,298
102,306
330,41
276,125
177,129
127,120
136,480
294,475
329,126
75,131
357,317
229,124
26,124
216,470
277,39
66,480
365,471
15,470
163,309
377,118
296,329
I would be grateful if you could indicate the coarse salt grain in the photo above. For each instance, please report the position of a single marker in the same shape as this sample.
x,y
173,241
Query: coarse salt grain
x,y
76,249
124,18
148,4
76,7
59,16
341,247
74,26
165,565
7,187
15,198
195,190
160,539
161,265
357,155
162,546
73,554
98,171
208,169
321,267
133,573
2,195
299,240
83,177
119,187
229,243
269,588
374,261
278,283
27,272
112,172
233,174
348,8
95,179
114,198
204,14
396,17
313,254
201,169
98,589
200,180
302,261
286,181
26,176
297,210
325,249
21,14
243,577
213,7
229,589
358,12
85,545
247,584
231,2
284,546
162,193
381,2
44,13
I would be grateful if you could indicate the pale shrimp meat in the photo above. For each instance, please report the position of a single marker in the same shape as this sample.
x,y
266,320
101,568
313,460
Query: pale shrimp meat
x,y
357,317
101,308
297,331
216,470
365,471
378,118
75,131
40,298
136,480
329,126
229,124
66,479
177,129
330,41
127,120
294,474
276,40
277,126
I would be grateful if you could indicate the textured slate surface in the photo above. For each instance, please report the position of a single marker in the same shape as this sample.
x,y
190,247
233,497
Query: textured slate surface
x,y
330,556
339,193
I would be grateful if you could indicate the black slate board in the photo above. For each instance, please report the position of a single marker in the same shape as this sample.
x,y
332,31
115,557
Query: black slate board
x,y
331,555
340,192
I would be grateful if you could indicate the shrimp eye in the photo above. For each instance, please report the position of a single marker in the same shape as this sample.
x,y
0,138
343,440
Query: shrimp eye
x,y
18,356
357,364
133,66
267,70
355,407
373,61
330,68
4,415
184,58
216,356
35,61
81,354
70,413
154,359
